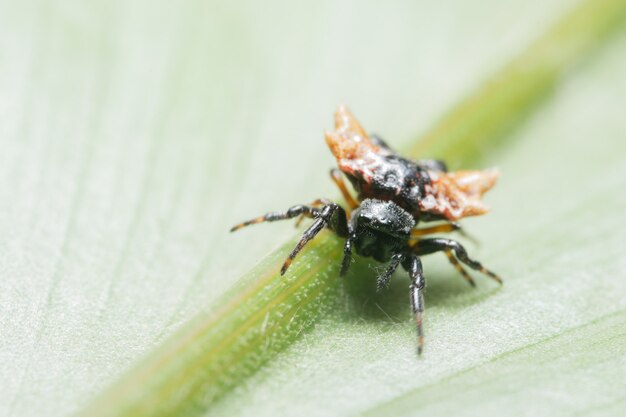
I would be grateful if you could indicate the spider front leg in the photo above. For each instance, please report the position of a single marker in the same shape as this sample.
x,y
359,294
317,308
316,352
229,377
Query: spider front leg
x,y
413,266
292,212
347,253
382,281
317,204
331,215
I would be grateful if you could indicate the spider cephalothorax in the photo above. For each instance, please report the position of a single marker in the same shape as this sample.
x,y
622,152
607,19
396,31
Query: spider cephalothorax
x,y
394,194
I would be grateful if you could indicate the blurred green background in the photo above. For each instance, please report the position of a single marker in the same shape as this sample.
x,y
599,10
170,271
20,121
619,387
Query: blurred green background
x,y
133,134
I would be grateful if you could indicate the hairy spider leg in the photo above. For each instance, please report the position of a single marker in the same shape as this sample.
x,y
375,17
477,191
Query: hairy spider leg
x,y
317,203
413,266
443,228
332,216
337,178
295,211
457,265
347,252
382,281
428,246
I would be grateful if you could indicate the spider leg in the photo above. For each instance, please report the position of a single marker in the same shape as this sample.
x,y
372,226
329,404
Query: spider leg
x,y
443,228
427,246
337,178
382,281
295,211
413,265
347,254
440,228
332,216
457,265
317,203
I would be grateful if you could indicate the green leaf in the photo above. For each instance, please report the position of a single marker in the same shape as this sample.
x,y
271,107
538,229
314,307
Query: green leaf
x,y
551,341
135,134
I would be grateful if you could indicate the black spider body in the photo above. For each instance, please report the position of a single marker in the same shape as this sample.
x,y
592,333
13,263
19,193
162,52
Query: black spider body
x,y
394,194
380,229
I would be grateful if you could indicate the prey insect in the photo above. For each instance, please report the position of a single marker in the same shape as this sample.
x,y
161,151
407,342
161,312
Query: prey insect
x,y
393,196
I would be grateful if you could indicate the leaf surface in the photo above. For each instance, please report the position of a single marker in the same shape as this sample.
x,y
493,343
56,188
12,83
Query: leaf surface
x,y
135,133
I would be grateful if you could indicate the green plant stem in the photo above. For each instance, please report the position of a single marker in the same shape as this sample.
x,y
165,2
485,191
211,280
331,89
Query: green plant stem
x,y
266,312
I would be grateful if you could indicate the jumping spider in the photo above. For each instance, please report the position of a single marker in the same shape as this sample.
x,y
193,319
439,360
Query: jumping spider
x,y
394,195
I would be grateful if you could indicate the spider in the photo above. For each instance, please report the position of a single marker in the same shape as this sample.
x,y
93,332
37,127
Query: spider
x,y
394,194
